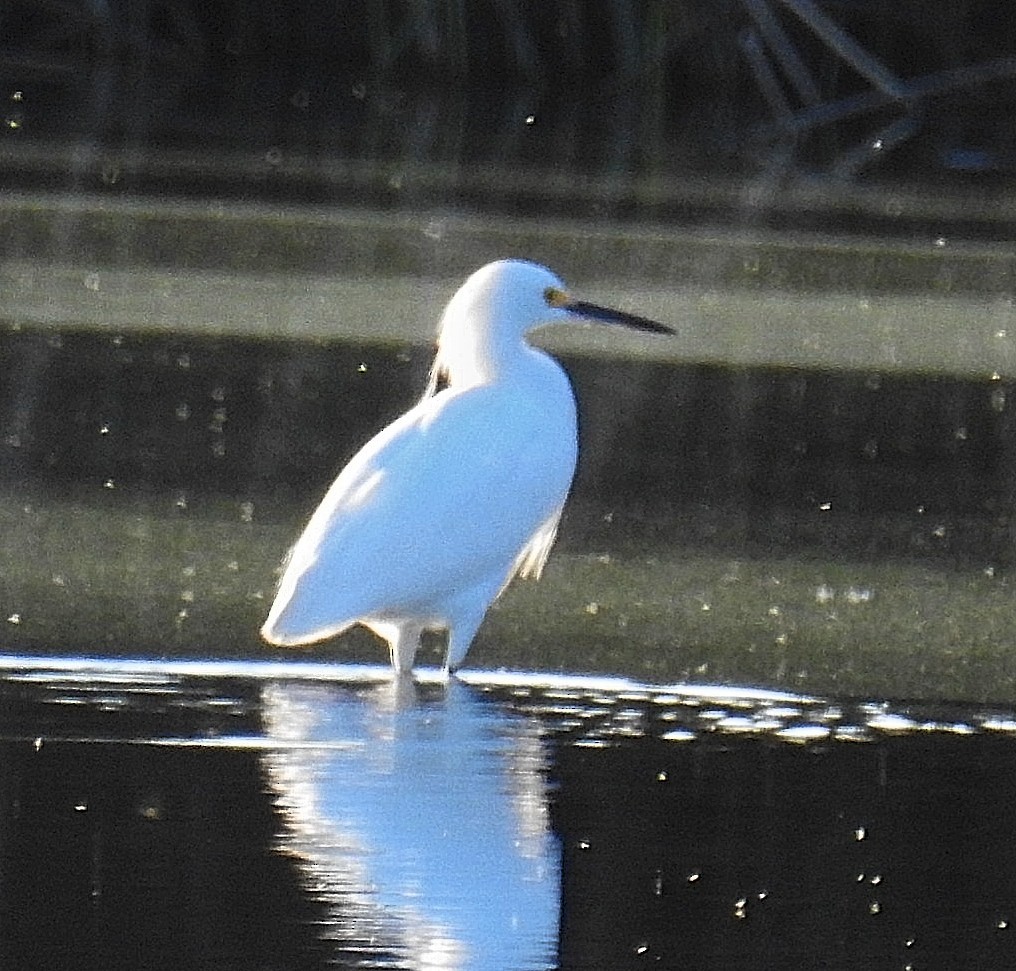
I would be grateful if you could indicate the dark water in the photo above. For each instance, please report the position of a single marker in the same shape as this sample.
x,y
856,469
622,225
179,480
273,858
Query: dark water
x,y
200,816
762,448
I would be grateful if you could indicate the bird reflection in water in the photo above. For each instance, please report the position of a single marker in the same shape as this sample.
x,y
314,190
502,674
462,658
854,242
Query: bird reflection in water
x,y
420,813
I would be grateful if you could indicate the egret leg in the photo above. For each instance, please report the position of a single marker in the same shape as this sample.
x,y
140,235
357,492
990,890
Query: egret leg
x,y
403,642
460,637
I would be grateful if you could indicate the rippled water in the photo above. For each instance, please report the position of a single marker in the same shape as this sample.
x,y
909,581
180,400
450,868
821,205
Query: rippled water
x,y
194,815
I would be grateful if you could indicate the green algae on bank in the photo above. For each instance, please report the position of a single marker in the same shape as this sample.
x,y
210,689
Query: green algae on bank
x,y
969,335
135,578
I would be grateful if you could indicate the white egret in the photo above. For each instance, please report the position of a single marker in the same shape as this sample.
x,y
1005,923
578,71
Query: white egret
x,y
434,516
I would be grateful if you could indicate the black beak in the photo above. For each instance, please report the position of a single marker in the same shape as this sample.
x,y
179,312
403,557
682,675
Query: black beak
x,y
606,315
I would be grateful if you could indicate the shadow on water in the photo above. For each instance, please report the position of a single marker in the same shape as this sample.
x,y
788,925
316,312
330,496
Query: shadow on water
x,y
234,816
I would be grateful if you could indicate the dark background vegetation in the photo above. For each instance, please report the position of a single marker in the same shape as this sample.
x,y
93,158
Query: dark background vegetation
x,y
687,111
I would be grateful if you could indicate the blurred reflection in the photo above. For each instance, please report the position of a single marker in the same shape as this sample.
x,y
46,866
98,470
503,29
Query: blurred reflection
x,y
147,822
421,814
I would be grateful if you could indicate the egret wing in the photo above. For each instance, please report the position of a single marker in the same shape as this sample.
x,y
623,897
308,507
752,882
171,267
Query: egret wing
x,y
451,495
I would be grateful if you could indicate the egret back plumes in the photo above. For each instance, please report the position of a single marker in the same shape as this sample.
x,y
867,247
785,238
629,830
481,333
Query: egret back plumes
x,y
434,516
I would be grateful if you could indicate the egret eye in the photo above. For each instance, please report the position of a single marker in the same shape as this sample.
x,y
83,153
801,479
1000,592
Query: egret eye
x,y
555,297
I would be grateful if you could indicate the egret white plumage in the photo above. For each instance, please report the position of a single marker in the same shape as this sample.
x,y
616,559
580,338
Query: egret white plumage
x,y
433,517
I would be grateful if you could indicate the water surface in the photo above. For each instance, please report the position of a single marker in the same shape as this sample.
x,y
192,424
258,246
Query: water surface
x,y
197,815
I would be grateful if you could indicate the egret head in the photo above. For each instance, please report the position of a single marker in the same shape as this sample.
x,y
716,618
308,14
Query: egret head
x,y
484,324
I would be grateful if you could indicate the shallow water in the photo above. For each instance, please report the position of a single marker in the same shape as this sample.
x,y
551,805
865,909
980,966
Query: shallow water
x,y
841,532
194,815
